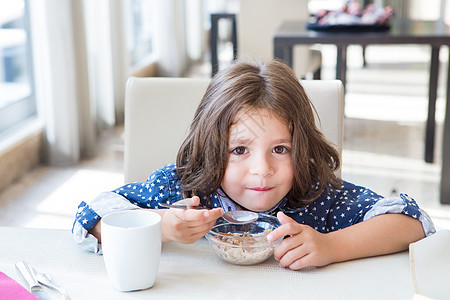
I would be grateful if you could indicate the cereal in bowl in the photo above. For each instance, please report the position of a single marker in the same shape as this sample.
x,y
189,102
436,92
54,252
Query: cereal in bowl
x,y
243,248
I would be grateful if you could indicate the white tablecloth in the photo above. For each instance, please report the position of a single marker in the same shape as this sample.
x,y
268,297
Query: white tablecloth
x,y
195,272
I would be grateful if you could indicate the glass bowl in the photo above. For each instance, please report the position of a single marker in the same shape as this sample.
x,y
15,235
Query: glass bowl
x,y
244,244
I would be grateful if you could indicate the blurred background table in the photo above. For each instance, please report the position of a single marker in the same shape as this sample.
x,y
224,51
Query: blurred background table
x,y
195,272
434,34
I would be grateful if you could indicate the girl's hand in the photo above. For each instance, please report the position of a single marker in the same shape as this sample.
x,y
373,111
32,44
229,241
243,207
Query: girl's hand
x,y
188,226
304,247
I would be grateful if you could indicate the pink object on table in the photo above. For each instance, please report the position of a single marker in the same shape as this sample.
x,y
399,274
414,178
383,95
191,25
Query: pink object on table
x,y
10,289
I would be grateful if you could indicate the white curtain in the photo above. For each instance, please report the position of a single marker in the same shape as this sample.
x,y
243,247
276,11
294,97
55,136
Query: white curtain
x,y
74,75
62,88
195,38
81,67
170,40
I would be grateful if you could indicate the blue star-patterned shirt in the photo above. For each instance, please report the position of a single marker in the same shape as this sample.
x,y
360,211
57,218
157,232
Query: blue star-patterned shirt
x,y
334,209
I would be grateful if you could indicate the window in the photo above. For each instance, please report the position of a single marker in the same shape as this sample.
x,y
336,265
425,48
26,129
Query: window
x,y
17,99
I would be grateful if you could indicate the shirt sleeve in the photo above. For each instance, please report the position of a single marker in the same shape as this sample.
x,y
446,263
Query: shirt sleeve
x,y
354,204
89,214
161,185
404,205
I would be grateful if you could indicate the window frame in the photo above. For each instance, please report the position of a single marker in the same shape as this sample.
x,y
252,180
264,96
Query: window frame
x,y
21,110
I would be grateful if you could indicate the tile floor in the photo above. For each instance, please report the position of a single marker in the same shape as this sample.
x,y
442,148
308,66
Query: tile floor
x,y
384,131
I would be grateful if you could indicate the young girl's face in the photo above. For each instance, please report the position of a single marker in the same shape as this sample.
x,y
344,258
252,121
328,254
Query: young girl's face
x,y
259,171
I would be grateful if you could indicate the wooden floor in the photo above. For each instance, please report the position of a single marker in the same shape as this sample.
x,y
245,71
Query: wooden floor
x,y
385,107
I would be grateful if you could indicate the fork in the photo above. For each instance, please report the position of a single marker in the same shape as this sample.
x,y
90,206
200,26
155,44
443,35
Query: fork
x,y
46,280
29,274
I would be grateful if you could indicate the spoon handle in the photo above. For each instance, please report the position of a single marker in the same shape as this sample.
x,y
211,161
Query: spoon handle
x,y
181,206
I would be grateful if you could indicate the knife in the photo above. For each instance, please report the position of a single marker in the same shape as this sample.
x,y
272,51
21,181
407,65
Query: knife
x,y
29,274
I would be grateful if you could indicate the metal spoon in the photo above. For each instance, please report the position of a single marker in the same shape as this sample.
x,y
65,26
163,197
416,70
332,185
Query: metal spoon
x,y
232,216
29,274
240,216
182,206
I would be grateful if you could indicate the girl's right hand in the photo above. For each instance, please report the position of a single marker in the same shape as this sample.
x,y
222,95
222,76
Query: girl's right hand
x,y
188,226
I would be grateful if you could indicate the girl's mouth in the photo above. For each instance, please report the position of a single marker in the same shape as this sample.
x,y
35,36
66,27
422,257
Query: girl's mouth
x,y
261,189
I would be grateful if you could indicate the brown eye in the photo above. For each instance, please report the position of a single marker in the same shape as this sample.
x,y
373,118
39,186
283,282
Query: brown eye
x,y
280,150
239,150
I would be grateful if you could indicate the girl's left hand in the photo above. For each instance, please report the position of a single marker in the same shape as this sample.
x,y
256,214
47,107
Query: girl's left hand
x,y
303,247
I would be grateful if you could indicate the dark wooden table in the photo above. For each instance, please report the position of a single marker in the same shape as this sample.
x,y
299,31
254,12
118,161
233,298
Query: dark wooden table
x,y
435,34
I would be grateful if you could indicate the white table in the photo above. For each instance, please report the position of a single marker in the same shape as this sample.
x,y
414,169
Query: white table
x,y
194,272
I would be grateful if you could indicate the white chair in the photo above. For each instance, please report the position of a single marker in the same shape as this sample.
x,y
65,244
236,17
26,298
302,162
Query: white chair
x,y
158,112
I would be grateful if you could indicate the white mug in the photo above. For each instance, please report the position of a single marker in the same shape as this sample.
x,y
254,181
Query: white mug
x,y
131,244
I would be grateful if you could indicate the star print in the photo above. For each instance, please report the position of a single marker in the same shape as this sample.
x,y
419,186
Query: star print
x,y
164,186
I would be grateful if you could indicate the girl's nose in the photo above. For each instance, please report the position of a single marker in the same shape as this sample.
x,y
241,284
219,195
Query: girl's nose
x,y
261,165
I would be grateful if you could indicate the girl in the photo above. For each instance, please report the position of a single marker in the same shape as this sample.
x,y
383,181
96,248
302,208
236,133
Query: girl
x,y
253,144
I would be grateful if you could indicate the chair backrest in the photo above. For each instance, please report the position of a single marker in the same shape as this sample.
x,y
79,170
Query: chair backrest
x,y
158,112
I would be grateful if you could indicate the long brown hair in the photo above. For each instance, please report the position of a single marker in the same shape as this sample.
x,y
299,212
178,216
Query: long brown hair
x,y
273,86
